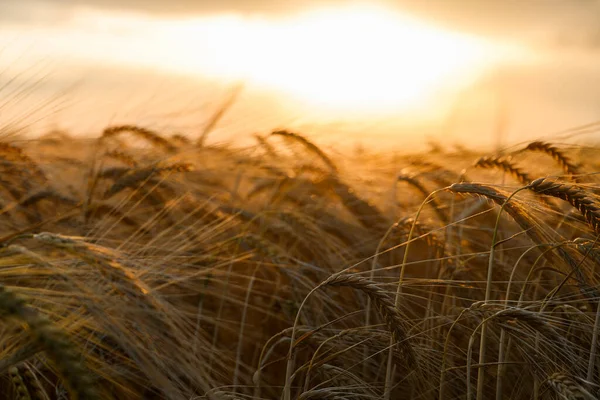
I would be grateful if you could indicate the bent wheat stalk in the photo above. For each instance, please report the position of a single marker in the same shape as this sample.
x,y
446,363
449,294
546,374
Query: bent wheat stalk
x,y
574,195
153,137
56,344
310,146
567,388
505,165
567,166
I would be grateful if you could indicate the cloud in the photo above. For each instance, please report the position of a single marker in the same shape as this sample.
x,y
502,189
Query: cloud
x,y
34,12
560,23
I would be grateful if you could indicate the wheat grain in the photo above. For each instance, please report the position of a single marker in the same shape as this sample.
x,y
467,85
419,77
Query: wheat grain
x,y
313,148
566,164
152,137
572,194
505,165
567,388
384,304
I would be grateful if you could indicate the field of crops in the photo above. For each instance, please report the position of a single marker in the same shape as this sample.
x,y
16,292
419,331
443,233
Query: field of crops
x,y
143,265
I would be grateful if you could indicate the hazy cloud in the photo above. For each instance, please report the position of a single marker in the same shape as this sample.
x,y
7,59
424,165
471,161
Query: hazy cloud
x,y
555,22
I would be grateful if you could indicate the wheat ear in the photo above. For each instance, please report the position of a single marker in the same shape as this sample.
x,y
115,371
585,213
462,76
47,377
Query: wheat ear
x,y
505,165
564,162
567,388
55,343
384,304
310,146
153,137
572,194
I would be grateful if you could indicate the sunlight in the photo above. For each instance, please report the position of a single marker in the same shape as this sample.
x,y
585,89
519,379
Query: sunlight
x,y
356,58
360,59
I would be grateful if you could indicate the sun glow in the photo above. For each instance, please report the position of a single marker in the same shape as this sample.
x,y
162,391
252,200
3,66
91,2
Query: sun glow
x,y
356,58
363,59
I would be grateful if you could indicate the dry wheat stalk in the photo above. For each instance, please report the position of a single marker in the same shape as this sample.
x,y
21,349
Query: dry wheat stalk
x,y
533,319
566,387
99,256
525,222
180,139
566,164
135,178
505,165
390,314
143,133
266,146
33,383
55,343
17,156
106,210
123,157
219,113
313,148
587,248
572,194
47,194
413,181
367,214
515,211
18,384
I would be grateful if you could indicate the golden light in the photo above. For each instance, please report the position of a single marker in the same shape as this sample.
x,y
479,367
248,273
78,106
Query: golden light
x,y
359,58
364,59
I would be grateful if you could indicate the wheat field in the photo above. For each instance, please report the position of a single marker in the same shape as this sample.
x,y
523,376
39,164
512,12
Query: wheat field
x,y
143,265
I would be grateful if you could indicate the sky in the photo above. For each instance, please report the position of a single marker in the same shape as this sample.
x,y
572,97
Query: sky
x,y
529,68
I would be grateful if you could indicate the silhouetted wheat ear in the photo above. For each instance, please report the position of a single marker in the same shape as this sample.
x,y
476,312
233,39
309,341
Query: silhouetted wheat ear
x,y
499,198
523,220
21,392
33,384
48,194
505,165
413,181
101,257
384,304
152,137
367,214
123,157
181,139
16,155
564,162
56,344
534,319
266,146
588,248
567,388
134,178
310,146
572,194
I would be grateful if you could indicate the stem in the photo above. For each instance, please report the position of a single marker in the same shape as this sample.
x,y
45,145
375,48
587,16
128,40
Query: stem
x,y
388,373
488,292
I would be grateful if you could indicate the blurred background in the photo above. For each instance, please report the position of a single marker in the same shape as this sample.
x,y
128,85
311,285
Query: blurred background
x,y
379,74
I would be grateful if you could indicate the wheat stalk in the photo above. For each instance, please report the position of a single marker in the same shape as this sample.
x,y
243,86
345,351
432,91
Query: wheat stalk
x,y
505,165
55,343
152,137
566,164
572,194
18,384
123,157
567,388
390,314
413,181
313,148
135,178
